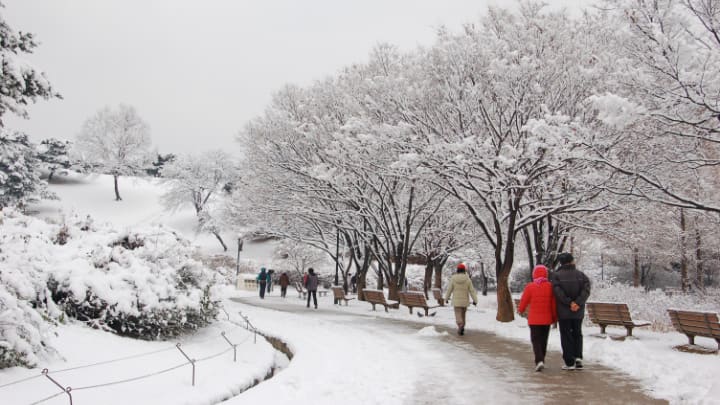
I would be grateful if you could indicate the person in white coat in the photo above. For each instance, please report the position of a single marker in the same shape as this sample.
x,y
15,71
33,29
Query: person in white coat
x,y
461,290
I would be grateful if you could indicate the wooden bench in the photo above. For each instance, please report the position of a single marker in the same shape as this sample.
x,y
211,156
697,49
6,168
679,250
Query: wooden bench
x,y
339,295
377,297
696,324
322,293
437,294
415,299
610,313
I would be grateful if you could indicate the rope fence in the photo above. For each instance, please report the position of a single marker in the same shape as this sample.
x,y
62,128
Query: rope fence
x,y
67,390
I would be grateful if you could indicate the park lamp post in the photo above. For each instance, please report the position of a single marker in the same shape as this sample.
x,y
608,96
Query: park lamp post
x,y
337,255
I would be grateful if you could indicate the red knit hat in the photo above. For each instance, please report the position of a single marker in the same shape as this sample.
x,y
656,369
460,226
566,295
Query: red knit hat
x,y
461,266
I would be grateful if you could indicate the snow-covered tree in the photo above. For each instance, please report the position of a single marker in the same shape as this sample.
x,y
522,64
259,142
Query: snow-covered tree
x,y
114,141
199,180
668,89
498,124
20,82
157,165
19,172
54,155
298,256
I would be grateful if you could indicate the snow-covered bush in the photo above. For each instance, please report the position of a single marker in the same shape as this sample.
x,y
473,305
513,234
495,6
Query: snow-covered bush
x,y
142,283
23,330
652,305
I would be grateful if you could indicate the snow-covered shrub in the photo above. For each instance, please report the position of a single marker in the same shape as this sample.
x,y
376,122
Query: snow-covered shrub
x,y
652,305
23,330
142,283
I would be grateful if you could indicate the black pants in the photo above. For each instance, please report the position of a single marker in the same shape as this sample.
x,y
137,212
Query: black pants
x,y
539,338
314,296
262,289
571,340
283,291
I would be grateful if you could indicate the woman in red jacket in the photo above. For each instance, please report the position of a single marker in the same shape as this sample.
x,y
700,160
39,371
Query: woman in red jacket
x,y
539,295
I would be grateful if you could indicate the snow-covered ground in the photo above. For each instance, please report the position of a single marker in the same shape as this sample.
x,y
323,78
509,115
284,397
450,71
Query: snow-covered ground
x,y
347,357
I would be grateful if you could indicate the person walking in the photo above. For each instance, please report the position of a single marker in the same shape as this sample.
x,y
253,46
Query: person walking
x,y
538,294
353,282
262,280
284,282
269,280
312,285
571,288
461,289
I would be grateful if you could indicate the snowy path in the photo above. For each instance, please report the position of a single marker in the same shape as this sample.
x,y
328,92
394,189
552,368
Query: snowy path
x,y
353,359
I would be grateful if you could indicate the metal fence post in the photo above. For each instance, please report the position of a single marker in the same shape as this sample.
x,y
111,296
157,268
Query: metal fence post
x,y
64,389
192,362
234,346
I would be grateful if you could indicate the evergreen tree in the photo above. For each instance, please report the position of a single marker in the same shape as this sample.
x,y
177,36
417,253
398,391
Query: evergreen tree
x,y
160,162
19,171
53,153
20,82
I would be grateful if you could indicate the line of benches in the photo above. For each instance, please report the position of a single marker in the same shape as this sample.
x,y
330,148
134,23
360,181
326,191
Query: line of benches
x,y
604,314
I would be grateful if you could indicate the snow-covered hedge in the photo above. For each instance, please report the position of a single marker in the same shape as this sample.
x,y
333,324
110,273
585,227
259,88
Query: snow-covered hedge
x,y
141,283
653,305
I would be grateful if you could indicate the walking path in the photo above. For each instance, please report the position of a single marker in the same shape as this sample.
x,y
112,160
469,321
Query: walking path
x,y
459,370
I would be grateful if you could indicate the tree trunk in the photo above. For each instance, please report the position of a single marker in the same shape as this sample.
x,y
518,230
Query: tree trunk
x,y
361,283
427,280
684,281
698,257
505,311
636,268
219,238
380,281
438,274
117,190
529,248
394,289
484,279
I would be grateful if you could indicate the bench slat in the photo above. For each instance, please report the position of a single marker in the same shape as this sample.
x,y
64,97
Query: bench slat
x,y
689,316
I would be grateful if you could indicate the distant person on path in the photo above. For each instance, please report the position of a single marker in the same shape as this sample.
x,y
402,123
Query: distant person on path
x,y
284,282
353,282
312,286
542,313
572,289
461,289
262,280
305,279
269,280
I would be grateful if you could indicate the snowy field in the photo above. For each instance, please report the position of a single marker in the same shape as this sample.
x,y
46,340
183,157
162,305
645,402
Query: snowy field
x,y
344,356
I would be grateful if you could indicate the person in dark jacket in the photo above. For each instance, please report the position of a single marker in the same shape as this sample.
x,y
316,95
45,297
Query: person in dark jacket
x,y
284,282
572,289
262,280
269,280
539,296
312,286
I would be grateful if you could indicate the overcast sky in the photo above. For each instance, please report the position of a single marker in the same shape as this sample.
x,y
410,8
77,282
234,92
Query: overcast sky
x,y
197,70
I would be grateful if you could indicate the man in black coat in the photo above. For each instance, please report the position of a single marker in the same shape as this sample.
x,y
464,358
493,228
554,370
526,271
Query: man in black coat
x,y
571,288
